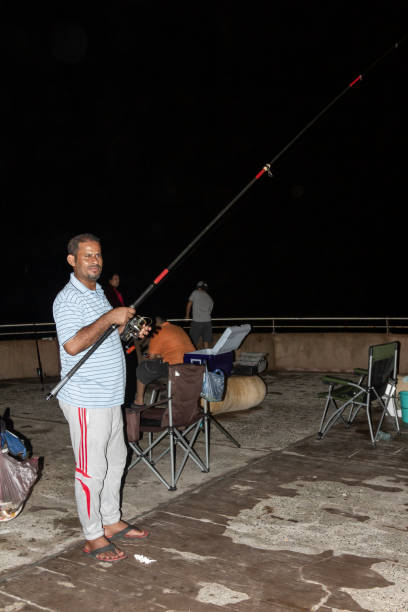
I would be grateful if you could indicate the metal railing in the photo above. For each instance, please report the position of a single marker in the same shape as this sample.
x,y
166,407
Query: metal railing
x,y
314,324
272,325
320,324
28,330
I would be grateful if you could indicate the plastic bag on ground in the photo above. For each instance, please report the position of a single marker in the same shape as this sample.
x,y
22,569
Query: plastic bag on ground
x,y
16,480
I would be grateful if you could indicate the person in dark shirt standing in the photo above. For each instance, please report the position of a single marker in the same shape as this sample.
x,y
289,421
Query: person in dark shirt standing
x,y
112,292
133,358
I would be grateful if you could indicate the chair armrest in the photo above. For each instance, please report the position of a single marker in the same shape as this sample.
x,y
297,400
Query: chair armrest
x,y
336,380
165,400
360,371
135,409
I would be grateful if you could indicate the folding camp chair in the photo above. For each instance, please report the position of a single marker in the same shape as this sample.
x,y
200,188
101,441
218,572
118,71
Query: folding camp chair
x,y
178,419
377,383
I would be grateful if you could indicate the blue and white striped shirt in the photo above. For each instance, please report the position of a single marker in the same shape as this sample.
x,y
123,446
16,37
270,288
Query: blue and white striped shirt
x,y
100,381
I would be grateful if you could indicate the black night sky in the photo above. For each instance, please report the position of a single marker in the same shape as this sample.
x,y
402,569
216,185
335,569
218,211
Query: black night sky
x,y
139,121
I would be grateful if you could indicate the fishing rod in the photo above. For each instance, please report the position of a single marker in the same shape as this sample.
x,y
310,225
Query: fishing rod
x,y
133,326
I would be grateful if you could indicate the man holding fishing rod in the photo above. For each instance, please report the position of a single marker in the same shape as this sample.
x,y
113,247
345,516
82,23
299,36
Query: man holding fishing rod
x,y
91,400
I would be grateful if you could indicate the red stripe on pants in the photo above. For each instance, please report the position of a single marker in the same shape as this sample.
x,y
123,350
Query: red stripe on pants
x,y
83,444
88,496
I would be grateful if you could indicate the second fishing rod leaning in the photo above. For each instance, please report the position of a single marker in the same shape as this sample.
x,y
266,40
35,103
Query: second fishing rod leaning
x,y
265,170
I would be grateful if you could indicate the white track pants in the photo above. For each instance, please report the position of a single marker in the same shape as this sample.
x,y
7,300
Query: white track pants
x,y
100,456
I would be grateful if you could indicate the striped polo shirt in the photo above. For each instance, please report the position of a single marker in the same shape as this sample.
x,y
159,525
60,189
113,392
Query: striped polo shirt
x,y
100,381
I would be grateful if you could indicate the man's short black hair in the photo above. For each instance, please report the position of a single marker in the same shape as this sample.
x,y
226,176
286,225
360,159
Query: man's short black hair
x,y
155,327
161,317
73,244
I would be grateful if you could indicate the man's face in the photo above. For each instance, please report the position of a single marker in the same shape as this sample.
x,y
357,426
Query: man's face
x,y
87,263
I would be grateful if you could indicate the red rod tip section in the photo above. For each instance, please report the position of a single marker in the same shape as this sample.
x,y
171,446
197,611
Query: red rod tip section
x,y
161,275
356,80
261,173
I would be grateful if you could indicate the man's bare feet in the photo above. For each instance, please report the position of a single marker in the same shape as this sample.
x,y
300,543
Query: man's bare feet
x,y
131,532
108,555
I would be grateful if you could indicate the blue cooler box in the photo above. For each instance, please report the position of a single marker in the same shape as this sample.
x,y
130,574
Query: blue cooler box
x,y
221,356
222,362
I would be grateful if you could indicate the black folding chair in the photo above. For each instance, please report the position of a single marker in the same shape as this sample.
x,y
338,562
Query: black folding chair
x,y
178,419
347,395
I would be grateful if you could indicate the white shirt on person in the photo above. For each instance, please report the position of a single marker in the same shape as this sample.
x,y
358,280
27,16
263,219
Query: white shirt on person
x,y
100,381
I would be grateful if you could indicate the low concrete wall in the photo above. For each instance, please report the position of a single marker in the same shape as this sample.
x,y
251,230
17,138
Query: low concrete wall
x,y
321,352
18,358
311,352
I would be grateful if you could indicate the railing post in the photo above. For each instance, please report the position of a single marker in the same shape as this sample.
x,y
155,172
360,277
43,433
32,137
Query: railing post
x,y
39,368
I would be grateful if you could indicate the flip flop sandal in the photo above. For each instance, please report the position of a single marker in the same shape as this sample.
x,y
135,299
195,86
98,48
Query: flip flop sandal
x,y
98,551
122,534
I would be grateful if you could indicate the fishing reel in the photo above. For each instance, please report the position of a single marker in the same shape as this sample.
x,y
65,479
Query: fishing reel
x,y
132,329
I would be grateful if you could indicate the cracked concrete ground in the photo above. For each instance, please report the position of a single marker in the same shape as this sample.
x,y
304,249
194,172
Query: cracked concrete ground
x,y
285,522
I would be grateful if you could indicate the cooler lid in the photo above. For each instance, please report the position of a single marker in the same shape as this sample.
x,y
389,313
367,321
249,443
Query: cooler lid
x,y
230,339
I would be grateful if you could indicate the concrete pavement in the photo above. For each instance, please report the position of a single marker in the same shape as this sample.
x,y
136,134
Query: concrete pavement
x,y
283,523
